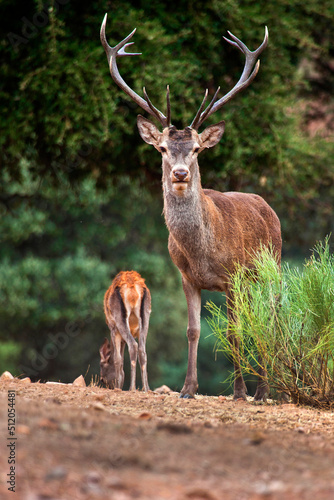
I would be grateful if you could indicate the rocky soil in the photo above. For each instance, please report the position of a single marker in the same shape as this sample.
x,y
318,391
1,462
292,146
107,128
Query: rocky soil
x,y
76,442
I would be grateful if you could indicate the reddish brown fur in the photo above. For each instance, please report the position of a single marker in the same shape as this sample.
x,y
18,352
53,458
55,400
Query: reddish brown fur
x,y
128,279
127,307
132,283
210,233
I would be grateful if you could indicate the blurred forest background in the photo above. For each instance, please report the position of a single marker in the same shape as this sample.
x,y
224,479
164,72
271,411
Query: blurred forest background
x,y
80,195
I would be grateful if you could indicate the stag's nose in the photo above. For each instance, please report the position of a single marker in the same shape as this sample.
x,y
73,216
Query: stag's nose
x,y
180,174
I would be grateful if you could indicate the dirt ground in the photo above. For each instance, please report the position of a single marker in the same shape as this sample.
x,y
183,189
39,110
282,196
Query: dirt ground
x,y
81,443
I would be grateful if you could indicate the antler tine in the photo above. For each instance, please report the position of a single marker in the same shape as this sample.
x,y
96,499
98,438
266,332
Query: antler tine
x,y
251,56
238,43
246,78
198,114
168,117
200,117
154,110
119,51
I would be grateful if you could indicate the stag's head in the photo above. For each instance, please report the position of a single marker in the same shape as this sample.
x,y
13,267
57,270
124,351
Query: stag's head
x,y
180,148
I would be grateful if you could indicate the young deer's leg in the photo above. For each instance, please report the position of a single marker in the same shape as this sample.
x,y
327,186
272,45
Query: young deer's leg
x,y
121,319
240,389
143,363
118,360
193,296
122,371
145,312
133,350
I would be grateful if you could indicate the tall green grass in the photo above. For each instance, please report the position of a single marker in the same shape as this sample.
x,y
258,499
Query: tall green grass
x,y
285,318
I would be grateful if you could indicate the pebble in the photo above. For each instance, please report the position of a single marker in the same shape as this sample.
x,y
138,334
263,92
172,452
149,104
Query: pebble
x,y
58,472
6,376
164,389
79,382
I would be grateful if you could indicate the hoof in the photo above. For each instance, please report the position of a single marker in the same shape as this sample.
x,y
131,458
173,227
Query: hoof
x,y
261,398
187,396
261,393
240,394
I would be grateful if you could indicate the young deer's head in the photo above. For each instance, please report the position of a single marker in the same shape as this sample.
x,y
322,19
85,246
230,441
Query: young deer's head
x,y
107,367
180,148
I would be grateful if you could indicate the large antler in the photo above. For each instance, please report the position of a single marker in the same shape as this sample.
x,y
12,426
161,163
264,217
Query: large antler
x,y
246,78
119,51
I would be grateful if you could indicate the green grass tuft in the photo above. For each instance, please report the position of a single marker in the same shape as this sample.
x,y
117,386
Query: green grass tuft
x,y
286,319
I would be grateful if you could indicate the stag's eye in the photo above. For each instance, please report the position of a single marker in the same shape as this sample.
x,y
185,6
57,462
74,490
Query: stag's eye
x,y
196,150
163,150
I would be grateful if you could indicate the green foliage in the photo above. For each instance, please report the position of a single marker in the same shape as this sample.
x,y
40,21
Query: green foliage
x,y
60,250
285,324
9,356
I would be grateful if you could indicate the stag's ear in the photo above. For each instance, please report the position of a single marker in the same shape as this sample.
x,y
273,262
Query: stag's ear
x,y
212,135
148,131
105,351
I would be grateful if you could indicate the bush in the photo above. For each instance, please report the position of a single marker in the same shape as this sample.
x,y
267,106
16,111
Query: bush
x,y
286,320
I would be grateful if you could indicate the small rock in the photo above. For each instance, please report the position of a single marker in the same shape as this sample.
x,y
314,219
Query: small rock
x,y
222,399
58,472
79,382
256,438
268,489
6,376
46,423
25,380
55,383
145,415
98,406
164,389
99,397
23,429
200,493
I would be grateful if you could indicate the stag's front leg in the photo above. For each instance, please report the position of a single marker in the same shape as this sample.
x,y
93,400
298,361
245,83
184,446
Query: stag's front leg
x,y
193,296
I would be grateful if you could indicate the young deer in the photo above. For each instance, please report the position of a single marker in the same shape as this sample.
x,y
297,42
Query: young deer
x,y
127,307
210,233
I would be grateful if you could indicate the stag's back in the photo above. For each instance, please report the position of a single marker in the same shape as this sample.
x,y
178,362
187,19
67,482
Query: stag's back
x,y
247,221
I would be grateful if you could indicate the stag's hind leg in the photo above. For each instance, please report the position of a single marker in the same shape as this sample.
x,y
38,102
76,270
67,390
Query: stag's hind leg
x,y
240,389
262,388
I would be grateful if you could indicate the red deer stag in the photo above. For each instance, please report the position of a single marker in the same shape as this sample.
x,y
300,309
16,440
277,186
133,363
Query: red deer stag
x,y
209,232
127,307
